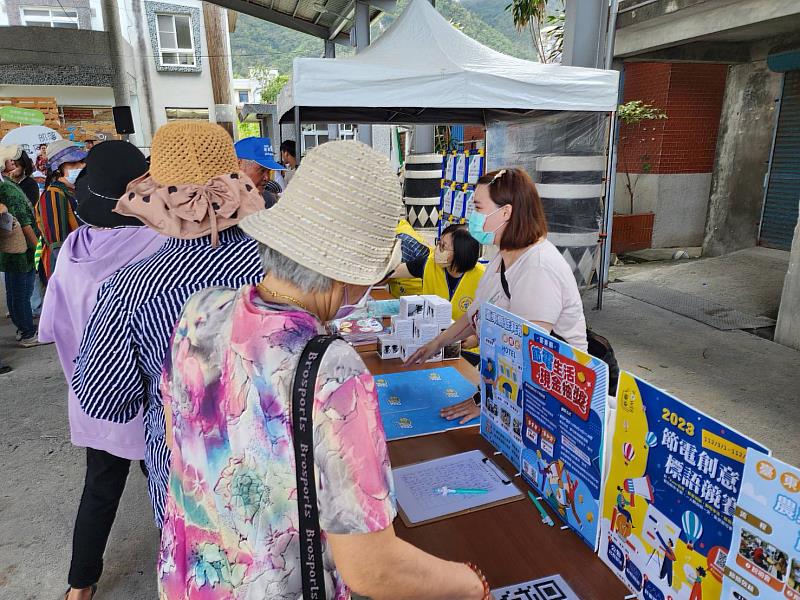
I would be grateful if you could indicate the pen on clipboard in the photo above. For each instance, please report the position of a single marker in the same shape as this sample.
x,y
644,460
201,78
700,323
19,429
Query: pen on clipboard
x,y
546,519
448,491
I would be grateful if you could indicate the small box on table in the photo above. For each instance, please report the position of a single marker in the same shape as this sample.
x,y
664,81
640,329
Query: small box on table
x,y
388,347
411,306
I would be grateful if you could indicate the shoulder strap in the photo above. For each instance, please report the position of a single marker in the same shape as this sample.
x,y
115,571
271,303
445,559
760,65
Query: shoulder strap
x,y
503,280
305,379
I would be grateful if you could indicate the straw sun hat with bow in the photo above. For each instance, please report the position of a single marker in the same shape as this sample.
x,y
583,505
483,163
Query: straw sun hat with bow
x,y
194,187
338,215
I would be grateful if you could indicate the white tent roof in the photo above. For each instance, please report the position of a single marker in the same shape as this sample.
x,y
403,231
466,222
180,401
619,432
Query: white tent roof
x,y
422,65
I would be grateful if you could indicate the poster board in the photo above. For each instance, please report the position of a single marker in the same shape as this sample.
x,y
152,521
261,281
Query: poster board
x,y
410,401
501,370
416,486
670,494
564,407
764,561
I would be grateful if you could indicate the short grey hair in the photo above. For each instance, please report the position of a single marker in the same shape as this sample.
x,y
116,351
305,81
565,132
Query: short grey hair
x,y
285,269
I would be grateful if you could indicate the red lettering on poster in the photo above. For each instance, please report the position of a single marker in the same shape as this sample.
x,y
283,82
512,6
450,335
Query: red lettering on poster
x,y
565,379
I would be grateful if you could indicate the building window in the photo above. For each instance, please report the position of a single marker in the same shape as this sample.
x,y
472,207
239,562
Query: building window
x,y
244,96
347,132
64,18
175,42
174,114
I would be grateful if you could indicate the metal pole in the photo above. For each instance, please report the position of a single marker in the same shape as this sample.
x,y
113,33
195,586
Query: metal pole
x,y
611,35
362,41
330,52
298,138
611,174
611,190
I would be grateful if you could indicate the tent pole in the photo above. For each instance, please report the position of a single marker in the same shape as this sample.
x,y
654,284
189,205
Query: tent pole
x,y
298,139
330,52
362,42
608,213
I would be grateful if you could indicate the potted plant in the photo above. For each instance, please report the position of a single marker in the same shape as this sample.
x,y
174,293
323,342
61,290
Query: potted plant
x,y
634,231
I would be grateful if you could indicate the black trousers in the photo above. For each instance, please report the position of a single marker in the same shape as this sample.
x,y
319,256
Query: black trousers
x,y
105,481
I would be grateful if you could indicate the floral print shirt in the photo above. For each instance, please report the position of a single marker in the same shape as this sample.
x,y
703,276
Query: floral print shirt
x,y
231,525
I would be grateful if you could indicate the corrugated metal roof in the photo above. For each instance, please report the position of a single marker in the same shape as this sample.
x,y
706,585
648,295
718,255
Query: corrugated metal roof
x,y
326,19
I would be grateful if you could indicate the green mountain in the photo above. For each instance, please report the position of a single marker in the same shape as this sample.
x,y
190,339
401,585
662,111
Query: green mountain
x,y
258,43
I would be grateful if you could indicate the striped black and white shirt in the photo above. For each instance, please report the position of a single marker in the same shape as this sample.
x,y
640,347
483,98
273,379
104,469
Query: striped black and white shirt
x,y
119,364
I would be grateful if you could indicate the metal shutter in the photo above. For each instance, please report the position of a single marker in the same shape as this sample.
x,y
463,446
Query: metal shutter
x,y
783,190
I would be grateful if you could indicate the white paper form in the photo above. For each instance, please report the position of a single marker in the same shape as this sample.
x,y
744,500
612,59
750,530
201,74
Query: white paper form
x,y
415,485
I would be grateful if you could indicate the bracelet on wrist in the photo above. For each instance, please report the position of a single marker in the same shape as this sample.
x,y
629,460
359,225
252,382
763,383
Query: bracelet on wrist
x,y
487,592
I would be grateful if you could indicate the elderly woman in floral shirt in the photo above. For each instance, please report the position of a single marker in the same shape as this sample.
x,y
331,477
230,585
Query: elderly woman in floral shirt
x,y
232,528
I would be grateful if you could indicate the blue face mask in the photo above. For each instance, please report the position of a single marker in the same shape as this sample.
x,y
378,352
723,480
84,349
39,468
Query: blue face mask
x,y
475,225
72,175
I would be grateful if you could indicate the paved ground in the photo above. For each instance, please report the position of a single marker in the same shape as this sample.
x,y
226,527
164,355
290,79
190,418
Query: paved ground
x,y
738,377
749,280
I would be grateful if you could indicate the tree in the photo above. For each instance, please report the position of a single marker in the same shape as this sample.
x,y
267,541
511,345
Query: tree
x,y
547,40
269,93
634,113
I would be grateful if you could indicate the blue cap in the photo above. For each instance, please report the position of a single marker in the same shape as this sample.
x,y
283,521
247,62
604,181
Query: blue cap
x,y
258,149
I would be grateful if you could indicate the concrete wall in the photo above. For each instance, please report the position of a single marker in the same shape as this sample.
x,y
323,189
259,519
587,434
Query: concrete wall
x,y
745,137
157,90
668,23
787,330
670,160
679,201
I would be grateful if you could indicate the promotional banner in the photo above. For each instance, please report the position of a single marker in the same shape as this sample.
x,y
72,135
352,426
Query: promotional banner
x,y
564,395
501,377
674,476
764,561
544,406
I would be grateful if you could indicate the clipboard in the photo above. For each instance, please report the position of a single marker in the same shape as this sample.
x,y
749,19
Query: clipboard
x,y
417,504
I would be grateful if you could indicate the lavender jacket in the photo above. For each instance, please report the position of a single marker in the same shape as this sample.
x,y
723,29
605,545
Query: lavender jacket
x,y
88,257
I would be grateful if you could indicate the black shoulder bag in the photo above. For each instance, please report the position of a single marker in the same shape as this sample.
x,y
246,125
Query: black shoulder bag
x,y
599,347
305,378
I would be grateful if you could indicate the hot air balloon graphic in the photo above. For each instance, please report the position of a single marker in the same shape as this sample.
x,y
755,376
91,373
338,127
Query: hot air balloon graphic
x,y
692,528
651,439
628,452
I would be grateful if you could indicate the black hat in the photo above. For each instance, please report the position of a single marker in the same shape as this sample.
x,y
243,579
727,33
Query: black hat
x,y
110,167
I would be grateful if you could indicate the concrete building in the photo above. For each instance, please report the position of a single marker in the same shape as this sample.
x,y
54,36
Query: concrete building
x,y
248,91
92,54
723,171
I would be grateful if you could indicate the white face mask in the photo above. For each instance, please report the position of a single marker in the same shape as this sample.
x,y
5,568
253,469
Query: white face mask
x,y
72,175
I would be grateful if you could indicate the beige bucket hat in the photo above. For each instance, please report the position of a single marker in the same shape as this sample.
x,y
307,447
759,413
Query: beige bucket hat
x,y
338,215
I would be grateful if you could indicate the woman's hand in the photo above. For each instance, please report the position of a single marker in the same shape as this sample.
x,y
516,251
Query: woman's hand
x,y
424,353
466,411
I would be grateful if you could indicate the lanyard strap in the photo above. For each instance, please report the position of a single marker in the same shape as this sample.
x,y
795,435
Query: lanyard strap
x,y
503,280
305,379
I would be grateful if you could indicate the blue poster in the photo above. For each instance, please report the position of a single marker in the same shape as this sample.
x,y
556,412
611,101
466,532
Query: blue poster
x,y
564,395
674,476
410,401
501,380
764,561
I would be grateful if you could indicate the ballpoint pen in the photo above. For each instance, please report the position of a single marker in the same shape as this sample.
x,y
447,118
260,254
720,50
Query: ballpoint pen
x,y
448,491
546,519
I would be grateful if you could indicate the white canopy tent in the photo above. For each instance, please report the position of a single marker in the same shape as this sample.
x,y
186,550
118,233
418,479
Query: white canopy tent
x,y
424,70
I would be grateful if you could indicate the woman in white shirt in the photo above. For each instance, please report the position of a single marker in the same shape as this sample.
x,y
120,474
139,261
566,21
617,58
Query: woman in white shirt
x,y
528,277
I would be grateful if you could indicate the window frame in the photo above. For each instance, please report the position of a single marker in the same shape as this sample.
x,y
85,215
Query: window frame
x,y
56,15
177,50
239,96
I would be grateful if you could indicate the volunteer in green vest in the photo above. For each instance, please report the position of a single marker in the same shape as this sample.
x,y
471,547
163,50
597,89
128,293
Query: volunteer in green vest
x,y
414,247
